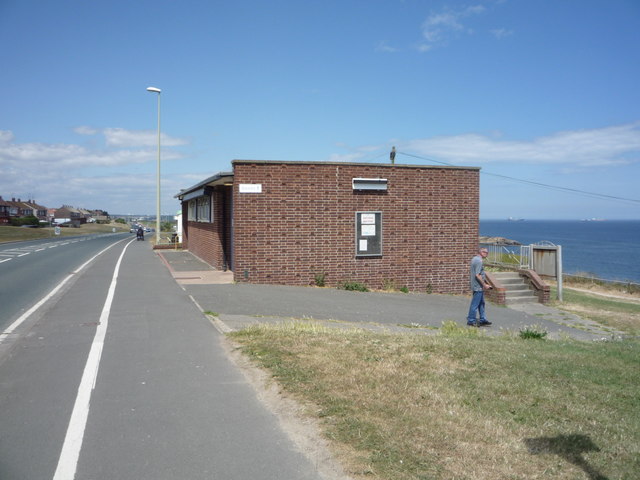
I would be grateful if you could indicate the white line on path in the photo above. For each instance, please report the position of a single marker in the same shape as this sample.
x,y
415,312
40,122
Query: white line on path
x,y
48,296
68,462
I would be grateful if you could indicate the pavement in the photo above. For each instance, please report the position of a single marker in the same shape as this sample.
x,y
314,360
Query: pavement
x,y
235,306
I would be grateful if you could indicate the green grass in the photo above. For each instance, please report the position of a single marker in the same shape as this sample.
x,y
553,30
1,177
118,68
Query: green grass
x,y
352,286
599,302
20,234
461,405
617,313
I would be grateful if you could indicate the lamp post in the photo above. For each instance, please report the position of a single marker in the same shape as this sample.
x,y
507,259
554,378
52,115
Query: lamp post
x,y
157,90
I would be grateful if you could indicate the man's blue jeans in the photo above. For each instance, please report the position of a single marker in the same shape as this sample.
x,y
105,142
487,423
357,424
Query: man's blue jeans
x,y
477,304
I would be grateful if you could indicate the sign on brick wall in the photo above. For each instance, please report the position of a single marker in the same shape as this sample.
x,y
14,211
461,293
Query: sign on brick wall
x,y
250,188
368,234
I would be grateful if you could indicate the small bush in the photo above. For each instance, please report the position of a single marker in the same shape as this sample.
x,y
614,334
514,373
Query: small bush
x,y
533,333
452,329
353,286
19,222
319,279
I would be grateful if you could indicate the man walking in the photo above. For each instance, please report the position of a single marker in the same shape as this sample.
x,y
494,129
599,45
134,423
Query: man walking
x,y
478,286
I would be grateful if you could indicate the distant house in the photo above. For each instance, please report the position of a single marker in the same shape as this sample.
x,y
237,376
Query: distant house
x,y
16,208
37,211
4,212
304,223
100,216
68,214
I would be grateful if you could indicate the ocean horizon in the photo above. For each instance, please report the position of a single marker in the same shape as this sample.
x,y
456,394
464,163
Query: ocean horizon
x,y
606,249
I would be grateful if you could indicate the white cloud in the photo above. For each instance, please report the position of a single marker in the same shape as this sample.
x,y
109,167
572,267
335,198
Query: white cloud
x,y
84,172
501,33
355,153
385,48
121,138
438,28
594,147
6,136
84,130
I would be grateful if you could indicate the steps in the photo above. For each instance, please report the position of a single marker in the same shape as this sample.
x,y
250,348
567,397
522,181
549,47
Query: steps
x,y
516,289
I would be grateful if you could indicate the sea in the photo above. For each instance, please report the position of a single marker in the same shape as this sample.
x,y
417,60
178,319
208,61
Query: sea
x,y
606,249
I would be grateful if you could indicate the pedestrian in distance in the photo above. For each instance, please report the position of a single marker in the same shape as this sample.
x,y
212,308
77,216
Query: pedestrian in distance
x,y
140,233
479,284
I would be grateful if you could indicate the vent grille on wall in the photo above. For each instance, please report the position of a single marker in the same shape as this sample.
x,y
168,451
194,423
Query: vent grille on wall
x,y
370,183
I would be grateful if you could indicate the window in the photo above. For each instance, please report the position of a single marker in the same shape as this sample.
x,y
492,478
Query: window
x,y
203,209
200,209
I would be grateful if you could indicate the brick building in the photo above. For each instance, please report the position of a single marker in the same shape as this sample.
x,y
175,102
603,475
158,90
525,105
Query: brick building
x,y
375,224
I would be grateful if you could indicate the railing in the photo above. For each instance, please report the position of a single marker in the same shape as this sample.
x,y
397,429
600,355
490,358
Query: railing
x,y
515,256
591,279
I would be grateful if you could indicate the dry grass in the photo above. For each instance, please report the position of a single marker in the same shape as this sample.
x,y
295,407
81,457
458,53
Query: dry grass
x,y
461,405
20,234
621,312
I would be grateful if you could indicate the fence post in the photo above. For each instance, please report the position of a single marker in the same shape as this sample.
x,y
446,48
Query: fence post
x,y
559,272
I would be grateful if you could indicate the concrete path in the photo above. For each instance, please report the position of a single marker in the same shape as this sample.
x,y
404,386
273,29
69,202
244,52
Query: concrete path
x,y
239,305
163,400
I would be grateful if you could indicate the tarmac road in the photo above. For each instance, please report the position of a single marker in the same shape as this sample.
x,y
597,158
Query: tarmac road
x,y
160,400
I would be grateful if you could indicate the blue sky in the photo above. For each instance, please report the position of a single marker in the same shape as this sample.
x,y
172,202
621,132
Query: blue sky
x,y
543,92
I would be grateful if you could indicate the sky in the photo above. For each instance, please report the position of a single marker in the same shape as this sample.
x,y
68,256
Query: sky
x,y
542,95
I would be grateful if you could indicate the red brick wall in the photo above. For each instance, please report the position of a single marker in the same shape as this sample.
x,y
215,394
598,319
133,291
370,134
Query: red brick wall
x,y
303,224
205,240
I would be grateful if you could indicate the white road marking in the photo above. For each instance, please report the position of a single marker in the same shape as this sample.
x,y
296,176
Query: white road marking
x,y
48,296
68,461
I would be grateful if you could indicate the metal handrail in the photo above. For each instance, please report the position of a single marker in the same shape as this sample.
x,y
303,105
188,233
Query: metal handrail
x,y
508,255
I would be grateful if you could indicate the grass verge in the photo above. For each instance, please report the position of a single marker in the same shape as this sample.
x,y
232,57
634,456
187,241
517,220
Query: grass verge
x,y
20,234
612,312
461,404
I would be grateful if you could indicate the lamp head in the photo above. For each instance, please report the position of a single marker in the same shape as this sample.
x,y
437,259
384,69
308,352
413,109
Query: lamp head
x,y
153,89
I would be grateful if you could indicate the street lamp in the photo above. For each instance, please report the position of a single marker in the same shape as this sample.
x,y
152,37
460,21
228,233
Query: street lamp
x,y
157,90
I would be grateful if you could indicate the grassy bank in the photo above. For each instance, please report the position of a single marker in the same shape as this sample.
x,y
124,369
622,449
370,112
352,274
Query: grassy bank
x,y
21,234
620,313
460,404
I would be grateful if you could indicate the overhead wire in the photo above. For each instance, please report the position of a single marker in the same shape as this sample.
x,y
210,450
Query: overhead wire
x,y
530,182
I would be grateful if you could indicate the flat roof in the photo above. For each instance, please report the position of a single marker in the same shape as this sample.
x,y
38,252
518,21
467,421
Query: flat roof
x,y
224,177
217,179
357,164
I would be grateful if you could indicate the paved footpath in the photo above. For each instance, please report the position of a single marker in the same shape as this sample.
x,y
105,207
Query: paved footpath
x,y
167,402
242,304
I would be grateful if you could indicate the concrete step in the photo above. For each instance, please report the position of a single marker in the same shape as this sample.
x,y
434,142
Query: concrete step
x,y
506,275
516,289
520,294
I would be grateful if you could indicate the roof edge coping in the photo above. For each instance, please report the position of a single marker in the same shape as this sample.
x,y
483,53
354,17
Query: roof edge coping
x,y
388,165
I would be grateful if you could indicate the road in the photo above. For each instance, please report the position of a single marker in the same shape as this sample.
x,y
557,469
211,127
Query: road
x,y
29,270
120,376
